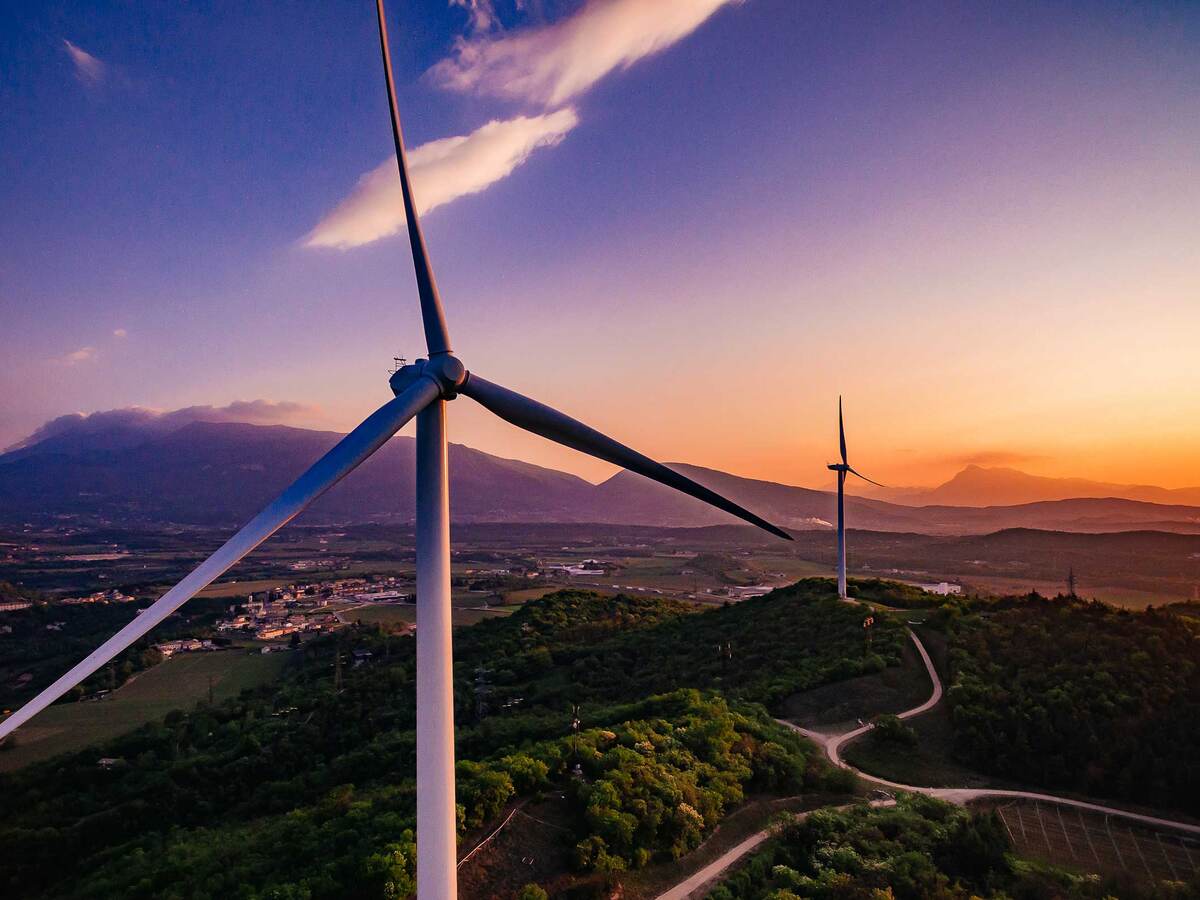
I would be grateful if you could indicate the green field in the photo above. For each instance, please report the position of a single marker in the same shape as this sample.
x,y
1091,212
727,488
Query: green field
x,y
392,613
522,595
179,683
242,588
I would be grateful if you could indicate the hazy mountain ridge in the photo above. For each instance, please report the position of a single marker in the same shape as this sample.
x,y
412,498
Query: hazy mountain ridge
x,y
223,473
1000,486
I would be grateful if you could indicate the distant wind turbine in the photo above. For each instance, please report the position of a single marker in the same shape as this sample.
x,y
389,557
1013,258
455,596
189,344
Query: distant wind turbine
x,y
843,469
421,391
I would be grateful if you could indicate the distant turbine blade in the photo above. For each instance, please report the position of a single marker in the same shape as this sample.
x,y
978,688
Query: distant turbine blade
x,y
865,478
331,468
841,432
551,424
437,337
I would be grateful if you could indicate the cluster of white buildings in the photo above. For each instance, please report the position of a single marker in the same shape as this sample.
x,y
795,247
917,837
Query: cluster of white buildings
x,y
300,608
586,567
187,645
269,620
942,588
111,596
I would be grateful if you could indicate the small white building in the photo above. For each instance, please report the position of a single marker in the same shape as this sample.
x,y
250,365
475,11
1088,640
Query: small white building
x,y
942,588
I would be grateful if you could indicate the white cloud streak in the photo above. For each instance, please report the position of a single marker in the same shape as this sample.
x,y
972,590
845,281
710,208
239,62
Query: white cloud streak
x,y
547,66
88,69
442,170
76,357
551,64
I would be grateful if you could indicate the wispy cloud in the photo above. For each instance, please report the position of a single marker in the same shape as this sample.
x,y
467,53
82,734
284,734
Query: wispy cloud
x,y
120,333
76,357
544,65
88,69
551,64
481,13
442,170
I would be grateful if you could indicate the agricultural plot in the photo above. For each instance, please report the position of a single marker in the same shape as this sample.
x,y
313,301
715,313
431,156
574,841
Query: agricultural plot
x,y
1106,845
394,613
178,683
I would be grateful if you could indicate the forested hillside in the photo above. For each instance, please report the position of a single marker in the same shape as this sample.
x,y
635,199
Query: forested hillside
x,y
302,790
921,848
1082,697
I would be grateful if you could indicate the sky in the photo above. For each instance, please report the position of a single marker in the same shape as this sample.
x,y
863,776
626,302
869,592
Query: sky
x,y
690,223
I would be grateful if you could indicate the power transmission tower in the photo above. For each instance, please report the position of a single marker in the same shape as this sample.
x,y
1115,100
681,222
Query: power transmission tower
x,y
1071,583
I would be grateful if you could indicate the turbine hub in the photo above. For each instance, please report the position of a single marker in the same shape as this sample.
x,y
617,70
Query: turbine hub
x,y
838,467
444,368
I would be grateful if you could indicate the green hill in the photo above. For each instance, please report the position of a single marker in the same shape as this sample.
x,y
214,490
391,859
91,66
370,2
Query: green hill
x,y
301,790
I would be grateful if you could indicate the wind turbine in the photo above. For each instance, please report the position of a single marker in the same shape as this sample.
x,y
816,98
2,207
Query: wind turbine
x,y
843,469
421,391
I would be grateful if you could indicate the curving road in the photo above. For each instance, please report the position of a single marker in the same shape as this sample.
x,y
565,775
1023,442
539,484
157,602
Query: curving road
x,y
832,745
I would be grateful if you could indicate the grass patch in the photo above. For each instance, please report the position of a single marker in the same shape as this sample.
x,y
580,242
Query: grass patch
x,y
397,613
837,707
523,595
178,683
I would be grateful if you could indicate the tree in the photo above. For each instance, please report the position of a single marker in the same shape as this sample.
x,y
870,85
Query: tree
x,y
893,730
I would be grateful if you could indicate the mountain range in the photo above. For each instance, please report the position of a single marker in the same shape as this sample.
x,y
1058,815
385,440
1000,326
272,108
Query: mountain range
x,y
998,486
221,473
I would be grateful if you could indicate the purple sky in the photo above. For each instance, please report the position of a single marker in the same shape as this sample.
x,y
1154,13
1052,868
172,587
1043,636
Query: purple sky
x,y
691,224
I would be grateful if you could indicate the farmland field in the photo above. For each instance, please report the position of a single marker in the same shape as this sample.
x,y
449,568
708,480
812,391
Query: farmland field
x,y
392,613
1091,842
178,683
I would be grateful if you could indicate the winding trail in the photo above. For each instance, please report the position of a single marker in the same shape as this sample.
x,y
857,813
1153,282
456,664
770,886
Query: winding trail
x,y
832,745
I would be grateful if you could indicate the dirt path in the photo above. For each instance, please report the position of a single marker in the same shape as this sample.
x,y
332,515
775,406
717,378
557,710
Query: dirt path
x,y
714,869
832,745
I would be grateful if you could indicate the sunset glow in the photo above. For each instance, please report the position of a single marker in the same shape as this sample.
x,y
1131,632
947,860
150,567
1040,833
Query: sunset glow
x,y
980,229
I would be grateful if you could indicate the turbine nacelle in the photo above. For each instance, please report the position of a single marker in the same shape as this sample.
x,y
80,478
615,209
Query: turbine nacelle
x,y
443,369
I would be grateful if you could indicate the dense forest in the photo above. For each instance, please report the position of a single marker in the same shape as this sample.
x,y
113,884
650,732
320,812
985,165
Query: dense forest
x,y
1079,696
920,848
302,788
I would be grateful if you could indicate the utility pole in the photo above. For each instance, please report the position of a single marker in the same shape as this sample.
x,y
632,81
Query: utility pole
x,y
576,768
337,666
1071,583
725,654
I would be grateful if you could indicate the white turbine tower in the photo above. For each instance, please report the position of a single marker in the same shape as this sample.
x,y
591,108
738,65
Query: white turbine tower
x,y
421,391
843,469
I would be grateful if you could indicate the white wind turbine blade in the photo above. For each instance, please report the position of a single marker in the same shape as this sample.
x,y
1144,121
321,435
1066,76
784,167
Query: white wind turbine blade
x,y
562,429
437,336
842,433
331,468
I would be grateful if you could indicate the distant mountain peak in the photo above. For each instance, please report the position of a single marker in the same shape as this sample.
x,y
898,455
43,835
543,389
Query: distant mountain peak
x,y
976,485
